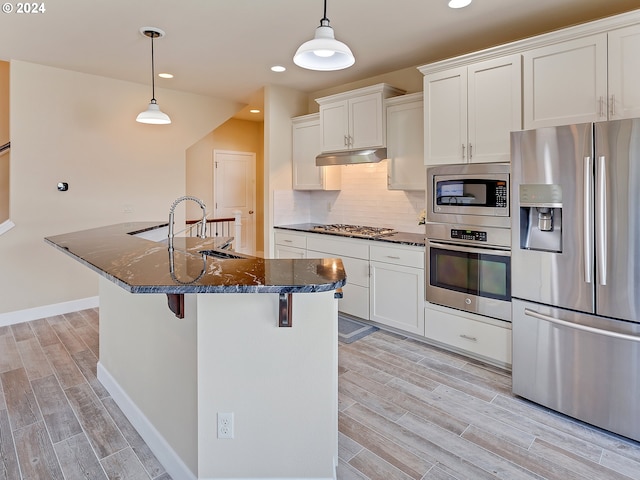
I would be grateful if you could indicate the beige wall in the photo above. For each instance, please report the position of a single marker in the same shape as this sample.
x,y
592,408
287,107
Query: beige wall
x,y
4,138
236,135
81,129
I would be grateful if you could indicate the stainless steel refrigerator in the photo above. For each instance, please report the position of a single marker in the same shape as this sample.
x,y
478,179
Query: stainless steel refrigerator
x,y
575,262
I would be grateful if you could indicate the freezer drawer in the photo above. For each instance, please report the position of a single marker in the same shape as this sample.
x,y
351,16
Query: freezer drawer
x,y
584,366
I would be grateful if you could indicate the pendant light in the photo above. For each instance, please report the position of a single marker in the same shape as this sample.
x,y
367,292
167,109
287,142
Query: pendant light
x,y
153,114
324,52
458,3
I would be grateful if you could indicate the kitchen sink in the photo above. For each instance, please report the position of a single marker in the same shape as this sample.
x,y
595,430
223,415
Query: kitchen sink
x,y
223,255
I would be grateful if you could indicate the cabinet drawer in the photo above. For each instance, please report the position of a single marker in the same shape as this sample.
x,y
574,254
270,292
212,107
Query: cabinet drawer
x,y
398,256
339,247
476,337
283,251
291,240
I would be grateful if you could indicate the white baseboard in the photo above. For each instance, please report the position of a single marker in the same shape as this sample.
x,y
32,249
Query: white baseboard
x,y
36,313
6,226
172,463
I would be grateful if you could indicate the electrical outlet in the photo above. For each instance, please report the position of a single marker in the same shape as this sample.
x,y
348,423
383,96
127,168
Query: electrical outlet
x,y
225,425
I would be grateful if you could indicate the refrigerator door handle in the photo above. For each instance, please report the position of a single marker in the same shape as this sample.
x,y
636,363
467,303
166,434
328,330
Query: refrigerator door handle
x,y
588,216
601,221
576,326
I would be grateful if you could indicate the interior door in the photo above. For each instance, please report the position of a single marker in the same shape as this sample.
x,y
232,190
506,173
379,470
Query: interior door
x,y
235,191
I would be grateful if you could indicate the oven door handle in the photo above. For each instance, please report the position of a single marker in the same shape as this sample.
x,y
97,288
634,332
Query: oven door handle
x,y
467,249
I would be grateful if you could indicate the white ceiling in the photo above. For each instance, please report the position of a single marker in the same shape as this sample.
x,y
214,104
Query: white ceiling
x,y
224,48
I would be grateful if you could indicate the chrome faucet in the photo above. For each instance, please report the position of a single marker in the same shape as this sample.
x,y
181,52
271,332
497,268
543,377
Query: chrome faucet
x,y
203,227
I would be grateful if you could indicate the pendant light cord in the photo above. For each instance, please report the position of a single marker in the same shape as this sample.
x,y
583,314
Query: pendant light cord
x,y
153,73
325,14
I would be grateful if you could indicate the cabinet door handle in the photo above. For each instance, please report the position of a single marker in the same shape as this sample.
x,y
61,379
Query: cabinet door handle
x,y
470,151
394,257
601,114
288,241
613,105
463,151
467,337
346,141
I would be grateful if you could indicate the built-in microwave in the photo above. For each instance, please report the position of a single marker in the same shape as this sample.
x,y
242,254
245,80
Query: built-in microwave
x,y
470,194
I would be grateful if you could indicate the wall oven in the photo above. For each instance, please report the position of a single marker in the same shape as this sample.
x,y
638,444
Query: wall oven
x,y
468,257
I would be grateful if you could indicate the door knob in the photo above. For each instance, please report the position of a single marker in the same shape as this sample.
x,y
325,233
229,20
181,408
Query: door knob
x,y
250,212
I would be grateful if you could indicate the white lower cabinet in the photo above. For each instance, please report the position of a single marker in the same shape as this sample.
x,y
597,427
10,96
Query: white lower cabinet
x,y
478,336
355,258
386,285
397,287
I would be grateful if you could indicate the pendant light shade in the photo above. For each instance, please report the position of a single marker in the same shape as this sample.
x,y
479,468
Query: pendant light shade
x,y
153,114
324,52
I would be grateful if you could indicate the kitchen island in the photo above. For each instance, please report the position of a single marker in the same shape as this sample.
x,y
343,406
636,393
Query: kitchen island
x,y
228,354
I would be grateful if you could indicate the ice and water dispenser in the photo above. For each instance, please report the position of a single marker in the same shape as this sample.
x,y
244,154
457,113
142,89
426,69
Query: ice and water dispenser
x,y
541,217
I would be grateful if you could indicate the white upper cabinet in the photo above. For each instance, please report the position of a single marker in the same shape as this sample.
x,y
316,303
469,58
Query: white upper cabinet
x,y
405,142
445,116
469,111
494,108
355,119
589,79
334,132
585,73
566,83
624,73
306,145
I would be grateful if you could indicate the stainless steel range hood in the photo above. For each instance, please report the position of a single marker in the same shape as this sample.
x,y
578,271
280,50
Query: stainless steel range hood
x,y
369,155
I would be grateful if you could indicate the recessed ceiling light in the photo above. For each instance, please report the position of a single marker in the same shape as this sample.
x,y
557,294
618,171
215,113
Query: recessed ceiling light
x,y
278,68
165,75
254,110
459,3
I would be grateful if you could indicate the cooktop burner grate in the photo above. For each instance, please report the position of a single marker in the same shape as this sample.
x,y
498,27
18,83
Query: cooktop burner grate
x,y
355,230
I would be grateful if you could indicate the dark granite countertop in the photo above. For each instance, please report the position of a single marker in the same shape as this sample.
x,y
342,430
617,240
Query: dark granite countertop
x,y
403,238
144,266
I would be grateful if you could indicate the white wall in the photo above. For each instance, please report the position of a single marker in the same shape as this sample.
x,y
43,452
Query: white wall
x,y
280,104
81,129
4,138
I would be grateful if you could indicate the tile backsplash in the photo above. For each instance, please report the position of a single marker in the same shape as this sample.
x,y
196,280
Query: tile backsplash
x,y
363,200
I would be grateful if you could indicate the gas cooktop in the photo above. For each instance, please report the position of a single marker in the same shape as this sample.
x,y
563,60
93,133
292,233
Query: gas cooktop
x,y
361,231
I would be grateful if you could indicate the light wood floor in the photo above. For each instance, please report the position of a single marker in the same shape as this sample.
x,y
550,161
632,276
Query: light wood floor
x,y
56,419
407,410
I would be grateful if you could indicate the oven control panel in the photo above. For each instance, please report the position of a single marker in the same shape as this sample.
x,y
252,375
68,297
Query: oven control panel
x,y
501,194
474,235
